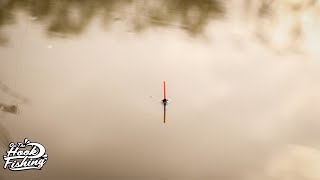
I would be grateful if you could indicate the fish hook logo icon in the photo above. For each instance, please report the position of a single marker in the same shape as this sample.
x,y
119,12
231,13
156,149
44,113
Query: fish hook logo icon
x,y
25,156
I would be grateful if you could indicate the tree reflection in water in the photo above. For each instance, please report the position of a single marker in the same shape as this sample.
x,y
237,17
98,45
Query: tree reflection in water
x,y
72,17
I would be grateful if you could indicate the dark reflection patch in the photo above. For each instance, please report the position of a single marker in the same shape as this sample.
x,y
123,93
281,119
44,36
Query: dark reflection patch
x,y
63,18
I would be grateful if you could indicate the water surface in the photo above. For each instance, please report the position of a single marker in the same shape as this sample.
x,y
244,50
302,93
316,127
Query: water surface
x,y
87,79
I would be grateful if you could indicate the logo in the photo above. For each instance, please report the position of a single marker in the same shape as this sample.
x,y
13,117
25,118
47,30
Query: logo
x,y
25,156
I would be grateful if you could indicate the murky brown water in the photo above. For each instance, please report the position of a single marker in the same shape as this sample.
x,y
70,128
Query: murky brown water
x,y
87,76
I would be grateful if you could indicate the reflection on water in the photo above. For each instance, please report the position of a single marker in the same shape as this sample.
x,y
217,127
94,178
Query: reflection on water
x,y
72,17
11,93
4,137
282,24
5,107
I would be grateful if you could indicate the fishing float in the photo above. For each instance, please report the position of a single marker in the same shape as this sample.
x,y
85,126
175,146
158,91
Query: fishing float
x,y
164,101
